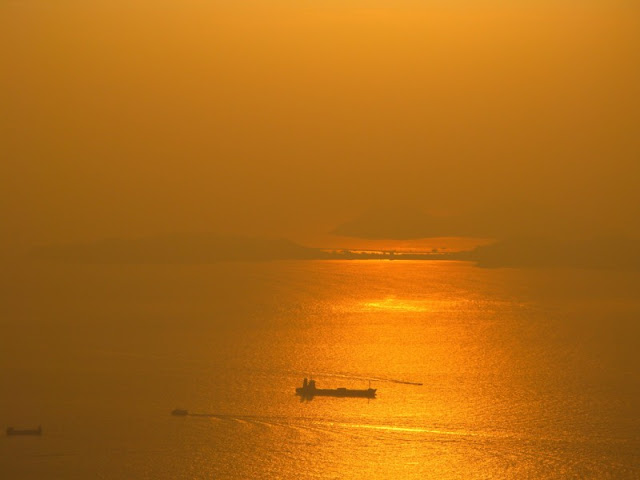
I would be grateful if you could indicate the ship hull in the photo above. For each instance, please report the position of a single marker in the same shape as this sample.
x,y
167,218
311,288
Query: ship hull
x,y
338,392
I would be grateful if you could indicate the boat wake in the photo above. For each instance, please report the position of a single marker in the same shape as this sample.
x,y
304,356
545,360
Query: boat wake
x,y
360,377
345,375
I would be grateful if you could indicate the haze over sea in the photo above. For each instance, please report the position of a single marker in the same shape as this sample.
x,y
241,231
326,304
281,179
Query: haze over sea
x,y
526,374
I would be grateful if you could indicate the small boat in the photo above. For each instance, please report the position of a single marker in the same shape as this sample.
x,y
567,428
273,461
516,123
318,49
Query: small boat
x,y
309,390
26,431
178,412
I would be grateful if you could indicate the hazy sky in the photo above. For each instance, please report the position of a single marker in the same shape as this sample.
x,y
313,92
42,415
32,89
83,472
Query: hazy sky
x,y
143,117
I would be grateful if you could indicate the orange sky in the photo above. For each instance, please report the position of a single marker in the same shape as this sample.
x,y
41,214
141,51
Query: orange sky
x,y
135,118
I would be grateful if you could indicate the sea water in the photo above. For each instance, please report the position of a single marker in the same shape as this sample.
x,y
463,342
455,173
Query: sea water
x,y
479,373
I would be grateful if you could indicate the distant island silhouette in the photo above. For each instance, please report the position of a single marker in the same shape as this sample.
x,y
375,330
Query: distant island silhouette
x,y
616,253
209,248
175,248
530,252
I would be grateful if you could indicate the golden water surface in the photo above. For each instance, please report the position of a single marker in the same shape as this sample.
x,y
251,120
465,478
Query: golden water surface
x,y
525,374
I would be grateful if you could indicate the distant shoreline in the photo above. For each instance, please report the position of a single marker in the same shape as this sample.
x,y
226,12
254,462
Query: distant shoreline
x,y
206,249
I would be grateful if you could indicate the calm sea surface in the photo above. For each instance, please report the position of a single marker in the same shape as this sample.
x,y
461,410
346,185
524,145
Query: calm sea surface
x,y
526,374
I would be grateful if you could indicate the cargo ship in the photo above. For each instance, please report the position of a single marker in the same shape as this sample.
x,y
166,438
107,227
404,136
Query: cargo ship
x,y
309,390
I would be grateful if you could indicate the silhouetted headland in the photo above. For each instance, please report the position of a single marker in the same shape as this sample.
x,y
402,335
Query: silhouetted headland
x,y
25,431
541,252
175,249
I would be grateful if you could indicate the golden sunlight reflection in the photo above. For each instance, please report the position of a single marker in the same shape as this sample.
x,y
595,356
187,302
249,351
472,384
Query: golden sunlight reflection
x,y
463,433
401,305
408,429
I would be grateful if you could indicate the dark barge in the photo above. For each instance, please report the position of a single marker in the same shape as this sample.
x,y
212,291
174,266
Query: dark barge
x,y
309,390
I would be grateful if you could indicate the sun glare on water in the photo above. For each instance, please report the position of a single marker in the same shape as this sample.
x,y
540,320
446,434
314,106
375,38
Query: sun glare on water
x,y
398,305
